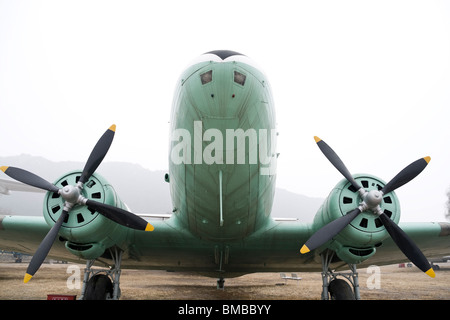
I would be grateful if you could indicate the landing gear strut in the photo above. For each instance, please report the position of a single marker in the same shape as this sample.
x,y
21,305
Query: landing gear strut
x,y
338,289
102,284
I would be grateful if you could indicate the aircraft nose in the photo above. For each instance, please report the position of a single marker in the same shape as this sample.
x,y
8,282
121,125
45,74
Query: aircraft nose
x,y
223,54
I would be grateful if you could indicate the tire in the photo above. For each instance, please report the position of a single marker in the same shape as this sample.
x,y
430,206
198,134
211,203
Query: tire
x,y
340,290
220,283
99,287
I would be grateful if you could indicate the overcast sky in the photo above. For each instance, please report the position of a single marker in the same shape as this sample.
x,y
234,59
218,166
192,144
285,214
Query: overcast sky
x,y
371,78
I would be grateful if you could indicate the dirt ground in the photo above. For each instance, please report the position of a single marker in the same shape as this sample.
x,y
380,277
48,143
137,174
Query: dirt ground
x,y
394,284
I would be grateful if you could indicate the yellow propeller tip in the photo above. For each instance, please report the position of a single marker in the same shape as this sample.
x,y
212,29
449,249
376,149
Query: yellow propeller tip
x,y
27,277
113,128
427,159
4,168
149,227
431,273
317,139
304,249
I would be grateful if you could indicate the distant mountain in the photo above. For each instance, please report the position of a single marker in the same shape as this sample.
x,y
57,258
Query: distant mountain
x,y
144,191
288,204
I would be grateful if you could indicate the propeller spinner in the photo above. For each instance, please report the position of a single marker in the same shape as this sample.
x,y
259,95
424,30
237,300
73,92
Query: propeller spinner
x,y
371,201
72,196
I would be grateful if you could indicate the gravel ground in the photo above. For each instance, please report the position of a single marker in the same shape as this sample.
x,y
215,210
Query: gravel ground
x,y
393,283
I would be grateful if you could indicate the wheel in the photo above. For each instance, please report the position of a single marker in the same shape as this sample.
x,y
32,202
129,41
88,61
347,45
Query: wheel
x,y
221,283
340,290
99,287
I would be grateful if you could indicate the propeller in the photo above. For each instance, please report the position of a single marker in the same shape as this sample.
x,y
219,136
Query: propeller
x,y
371,201
72,196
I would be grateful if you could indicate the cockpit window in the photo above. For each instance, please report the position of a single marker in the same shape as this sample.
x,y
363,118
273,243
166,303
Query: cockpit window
x,y
239,78
206,77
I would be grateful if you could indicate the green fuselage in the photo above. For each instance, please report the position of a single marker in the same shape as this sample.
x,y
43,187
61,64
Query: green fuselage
x,y
222,150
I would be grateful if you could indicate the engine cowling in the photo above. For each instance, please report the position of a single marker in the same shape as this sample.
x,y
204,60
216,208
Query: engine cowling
x,y
87,232
357,241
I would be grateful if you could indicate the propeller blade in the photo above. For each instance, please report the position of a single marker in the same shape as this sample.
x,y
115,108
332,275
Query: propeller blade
x,y
44,248
327,232
407,246
406,175
29,178
98,153
336,161
120,216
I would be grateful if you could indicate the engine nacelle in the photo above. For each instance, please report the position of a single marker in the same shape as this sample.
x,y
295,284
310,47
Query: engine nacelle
x,y
87,232
358,241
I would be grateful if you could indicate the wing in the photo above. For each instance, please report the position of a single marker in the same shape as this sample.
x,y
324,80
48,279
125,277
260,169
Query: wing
x,y
6,186
162,216
271,249
274,248
278,247
432,238
22,234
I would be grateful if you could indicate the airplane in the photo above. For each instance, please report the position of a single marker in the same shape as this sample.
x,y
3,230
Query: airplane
x,y
222,173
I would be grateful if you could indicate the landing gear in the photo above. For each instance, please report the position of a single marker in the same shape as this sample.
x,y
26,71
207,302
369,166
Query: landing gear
x,y
435,267
221,283
99,287
338,289
102,284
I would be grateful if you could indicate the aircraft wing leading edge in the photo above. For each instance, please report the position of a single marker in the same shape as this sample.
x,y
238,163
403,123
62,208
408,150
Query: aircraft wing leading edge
x,y
6,186
273,249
